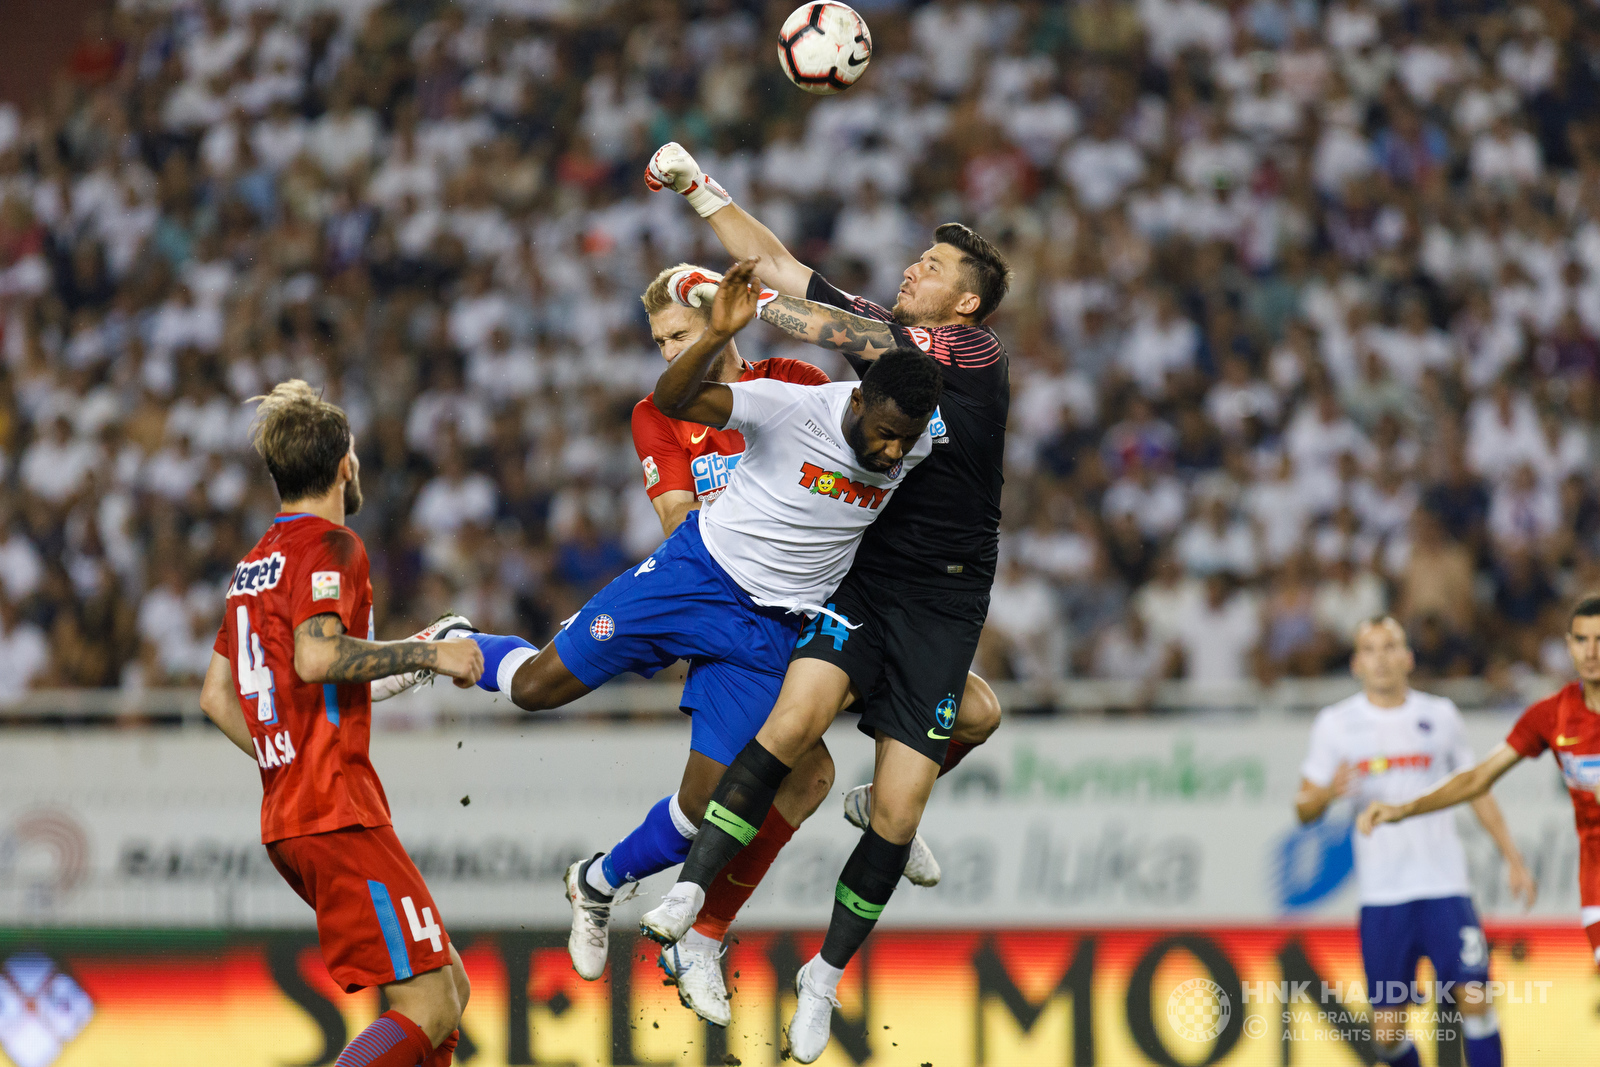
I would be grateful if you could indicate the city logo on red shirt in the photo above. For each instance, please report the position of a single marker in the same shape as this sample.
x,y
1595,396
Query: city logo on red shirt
x,y
257,576
837,486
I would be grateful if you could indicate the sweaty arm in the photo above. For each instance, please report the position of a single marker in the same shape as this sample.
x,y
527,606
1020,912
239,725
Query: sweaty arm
x,y
1470,784
745,236
221,704
830,327
682,391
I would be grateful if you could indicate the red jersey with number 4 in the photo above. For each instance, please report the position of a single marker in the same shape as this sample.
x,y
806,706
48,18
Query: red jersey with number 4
x,y
696,458
1563,723
310,739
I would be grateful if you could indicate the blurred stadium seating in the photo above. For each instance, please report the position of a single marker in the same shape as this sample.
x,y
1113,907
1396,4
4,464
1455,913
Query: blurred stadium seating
x,y
1303,326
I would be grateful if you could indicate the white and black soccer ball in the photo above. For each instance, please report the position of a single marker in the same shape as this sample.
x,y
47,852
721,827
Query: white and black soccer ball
x,y
824,47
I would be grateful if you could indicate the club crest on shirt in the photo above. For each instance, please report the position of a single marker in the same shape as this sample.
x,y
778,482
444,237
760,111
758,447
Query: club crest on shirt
x,y
839,487
602,627
921,338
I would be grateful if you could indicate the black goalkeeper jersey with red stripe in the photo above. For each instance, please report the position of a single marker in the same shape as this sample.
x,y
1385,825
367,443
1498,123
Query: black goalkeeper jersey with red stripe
x,y
943,523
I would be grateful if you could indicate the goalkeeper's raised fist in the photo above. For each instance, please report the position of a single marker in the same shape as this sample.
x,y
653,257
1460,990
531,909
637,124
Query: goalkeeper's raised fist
x,y
672,167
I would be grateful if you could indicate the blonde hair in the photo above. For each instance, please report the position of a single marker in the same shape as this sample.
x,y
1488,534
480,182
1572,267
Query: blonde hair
x,y
301,437
656,297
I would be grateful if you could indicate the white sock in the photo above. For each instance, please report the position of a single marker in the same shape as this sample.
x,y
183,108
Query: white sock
x,y
819,972
509,666
687,891
680,821
596,877
699,942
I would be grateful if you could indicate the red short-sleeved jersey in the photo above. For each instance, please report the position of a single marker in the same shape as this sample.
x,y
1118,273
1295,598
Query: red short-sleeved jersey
x,y
696,458
1563,723
310,739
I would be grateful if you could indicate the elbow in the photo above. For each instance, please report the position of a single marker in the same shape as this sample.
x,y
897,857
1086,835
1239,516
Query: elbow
x,y
671,406
312,668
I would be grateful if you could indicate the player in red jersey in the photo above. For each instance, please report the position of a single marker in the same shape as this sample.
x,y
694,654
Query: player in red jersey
x,y
1568,724
290,686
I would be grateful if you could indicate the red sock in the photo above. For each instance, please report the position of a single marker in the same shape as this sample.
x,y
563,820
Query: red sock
x,y
445,1054
730,889
954,753
392,1041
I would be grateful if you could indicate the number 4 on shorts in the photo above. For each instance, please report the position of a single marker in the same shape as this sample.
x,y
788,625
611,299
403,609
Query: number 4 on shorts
x,y
426,930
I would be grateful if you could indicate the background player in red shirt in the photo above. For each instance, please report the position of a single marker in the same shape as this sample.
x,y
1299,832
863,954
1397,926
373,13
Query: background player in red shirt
x,y
1567,723
290,686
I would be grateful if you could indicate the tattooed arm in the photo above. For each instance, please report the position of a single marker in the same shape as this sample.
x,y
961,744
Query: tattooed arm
x,y
323,652
825,325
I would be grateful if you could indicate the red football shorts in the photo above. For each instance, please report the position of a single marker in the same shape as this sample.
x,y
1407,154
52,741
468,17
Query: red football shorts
x,y
376,921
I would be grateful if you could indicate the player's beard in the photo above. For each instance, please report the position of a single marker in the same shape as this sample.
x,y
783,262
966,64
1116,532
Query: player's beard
x,y
352,496
856,438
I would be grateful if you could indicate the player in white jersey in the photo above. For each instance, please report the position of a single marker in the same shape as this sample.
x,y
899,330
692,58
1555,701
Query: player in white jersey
x,y
1391,743
729,590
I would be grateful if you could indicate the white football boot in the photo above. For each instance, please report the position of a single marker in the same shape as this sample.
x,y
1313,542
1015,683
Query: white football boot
x,y
921,868
668,921
591,920
697,972
807,1033
395,684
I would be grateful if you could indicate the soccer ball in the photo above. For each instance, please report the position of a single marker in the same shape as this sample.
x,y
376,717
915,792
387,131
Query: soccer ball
x,y
824,47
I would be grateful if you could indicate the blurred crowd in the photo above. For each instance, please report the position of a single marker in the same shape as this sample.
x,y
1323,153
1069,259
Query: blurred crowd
x,y
1303,327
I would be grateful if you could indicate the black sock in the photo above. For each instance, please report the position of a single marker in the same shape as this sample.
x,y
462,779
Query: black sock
x,y
865,885
736,812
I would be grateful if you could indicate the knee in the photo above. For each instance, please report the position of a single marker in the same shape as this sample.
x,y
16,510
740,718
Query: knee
x,y
896,823
818,780
979,716
692,802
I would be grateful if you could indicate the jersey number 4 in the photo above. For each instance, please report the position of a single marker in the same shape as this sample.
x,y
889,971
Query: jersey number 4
x,y
426,930
255,677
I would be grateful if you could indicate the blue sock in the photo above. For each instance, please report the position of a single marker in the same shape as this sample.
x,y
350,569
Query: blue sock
x,y
1483,1039
654,845
495,650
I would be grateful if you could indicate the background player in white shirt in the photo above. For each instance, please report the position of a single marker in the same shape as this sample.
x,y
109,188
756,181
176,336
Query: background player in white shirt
x,y
1391,743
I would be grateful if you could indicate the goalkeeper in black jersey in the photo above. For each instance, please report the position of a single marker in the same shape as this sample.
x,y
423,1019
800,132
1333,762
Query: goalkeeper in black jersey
x,y
915,599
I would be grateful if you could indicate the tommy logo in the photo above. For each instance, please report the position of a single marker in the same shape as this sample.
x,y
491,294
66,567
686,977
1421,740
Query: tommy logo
x,y
1379,764
829,483
602,627
257,576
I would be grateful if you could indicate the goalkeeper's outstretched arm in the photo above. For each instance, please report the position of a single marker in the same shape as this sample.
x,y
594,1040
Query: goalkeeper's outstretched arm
x,y
1469,784
745,237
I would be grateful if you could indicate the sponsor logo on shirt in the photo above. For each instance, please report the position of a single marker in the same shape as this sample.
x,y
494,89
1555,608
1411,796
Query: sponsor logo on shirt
x,y
712,471
1580,772
324,585
257,576
274,750
1418,761
839,487
937,429
651,474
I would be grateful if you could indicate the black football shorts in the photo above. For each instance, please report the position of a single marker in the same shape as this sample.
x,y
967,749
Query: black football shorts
x,y
908,656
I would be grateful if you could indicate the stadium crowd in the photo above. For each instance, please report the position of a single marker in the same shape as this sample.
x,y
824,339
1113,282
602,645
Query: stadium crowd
x,y
1304,323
